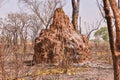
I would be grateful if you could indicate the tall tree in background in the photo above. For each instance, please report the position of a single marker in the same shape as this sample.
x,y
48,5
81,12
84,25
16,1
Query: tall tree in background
x,y
119,4
101,33
115,46
75,14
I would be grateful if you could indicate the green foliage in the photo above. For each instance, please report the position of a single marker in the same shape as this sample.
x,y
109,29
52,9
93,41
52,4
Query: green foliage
x,y
102,33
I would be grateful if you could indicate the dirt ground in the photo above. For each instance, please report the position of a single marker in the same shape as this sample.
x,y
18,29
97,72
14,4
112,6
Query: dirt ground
x,y
86,71
99,67
92,73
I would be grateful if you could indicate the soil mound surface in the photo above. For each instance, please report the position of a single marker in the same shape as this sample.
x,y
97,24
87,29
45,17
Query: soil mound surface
x,y
60,43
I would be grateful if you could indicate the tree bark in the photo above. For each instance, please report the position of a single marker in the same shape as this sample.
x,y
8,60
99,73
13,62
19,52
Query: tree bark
x,y
117,22
75,13
115,46
119,4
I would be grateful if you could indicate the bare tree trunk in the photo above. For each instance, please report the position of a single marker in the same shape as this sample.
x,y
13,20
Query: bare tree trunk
x,y
75,6
117,22
115,46
119,4
110,31
80,29
2,61
117,43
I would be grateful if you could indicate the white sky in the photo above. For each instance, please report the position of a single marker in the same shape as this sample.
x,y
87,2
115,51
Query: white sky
x,y
89,11
88,8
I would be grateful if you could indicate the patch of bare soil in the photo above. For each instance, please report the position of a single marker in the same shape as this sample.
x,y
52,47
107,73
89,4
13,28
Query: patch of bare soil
x,y
83,71
89,70
84,74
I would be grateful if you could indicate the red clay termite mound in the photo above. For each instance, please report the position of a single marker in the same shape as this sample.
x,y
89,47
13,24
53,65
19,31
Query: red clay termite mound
x,y
60,42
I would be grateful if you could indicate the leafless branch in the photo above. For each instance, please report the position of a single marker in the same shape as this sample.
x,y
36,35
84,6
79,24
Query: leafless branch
x,y
96,27
101,10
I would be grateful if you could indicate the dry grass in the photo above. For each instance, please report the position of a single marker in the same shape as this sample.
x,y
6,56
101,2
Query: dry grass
x,y
43,72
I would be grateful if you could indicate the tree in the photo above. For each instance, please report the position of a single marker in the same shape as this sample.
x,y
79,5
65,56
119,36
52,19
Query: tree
x,y
114,45
119,4
15,36
93,27
35,27
102,33
43,9
75,13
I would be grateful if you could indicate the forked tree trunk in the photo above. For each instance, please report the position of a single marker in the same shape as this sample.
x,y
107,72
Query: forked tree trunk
x,y
117,43
117,22
75,13
115,47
